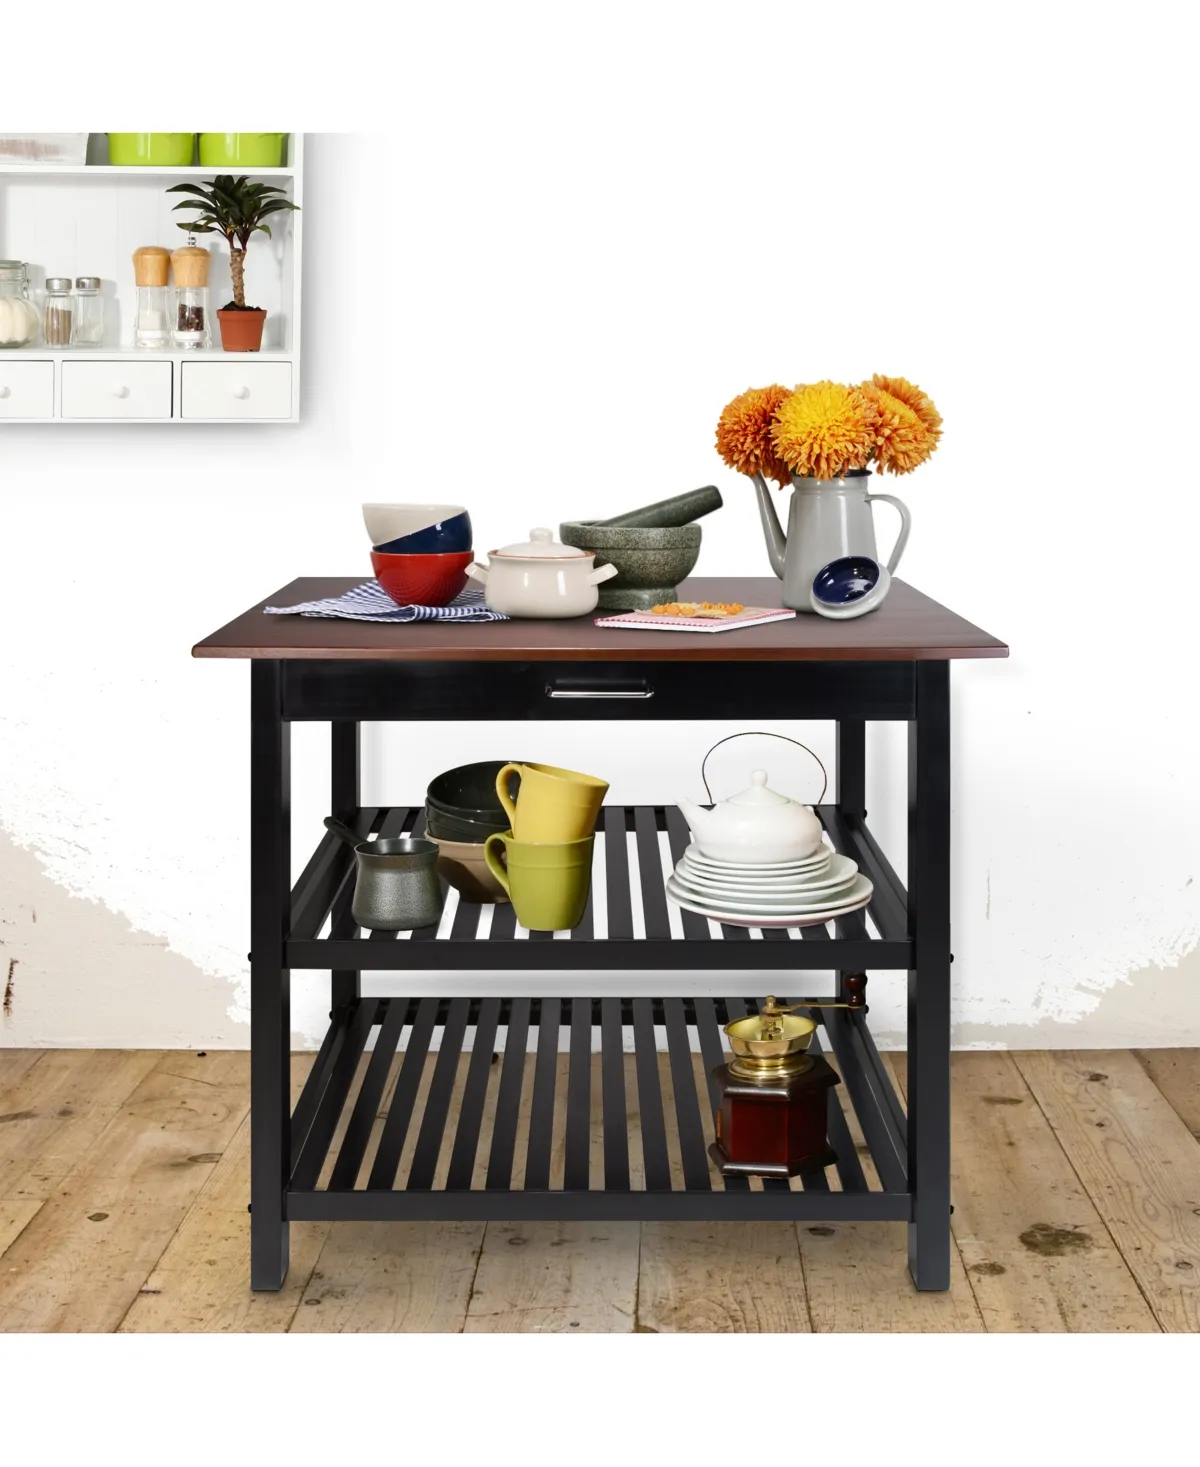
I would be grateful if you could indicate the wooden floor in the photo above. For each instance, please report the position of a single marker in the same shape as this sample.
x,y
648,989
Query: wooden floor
x,y
124,1182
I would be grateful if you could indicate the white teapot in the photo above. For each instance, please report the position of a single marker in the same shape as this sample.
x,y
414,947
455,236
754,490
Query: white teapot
x,y
756,828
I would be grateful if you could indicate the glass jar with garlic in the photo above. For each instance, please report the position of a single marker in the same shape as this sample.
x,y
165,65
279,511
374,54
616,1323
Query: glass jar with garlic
x,y
19,320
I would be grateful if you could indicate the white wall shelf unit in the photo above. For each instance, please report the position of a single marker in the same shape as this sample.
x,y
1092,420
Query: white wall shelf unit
x,y
88,220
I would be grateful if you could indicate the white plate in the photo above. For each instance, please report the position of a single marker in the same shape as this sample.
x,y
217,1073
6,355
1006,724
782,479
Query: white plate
x,y
838,873
756,902
769,919
693,857
821,903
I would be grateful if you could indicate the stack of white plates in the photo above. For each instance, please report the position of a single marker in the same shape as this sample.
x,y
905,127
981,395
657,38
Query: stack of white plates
x,y
804,893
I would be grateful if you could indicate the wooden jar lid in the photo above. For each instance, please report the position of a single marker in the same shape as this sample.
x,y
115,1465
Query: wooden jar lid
x,y
191,265
151,265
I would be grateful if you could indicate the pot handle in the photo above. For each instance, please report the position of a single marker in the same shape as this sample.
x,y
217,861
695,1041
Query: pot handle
x,y
905,527
477,571
602,573
491,855
503,795
343,832
763,734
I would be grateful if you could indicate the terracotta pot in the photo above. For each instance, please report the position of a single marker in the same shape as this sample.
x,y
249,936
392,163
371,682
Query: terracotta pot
x,y
242,330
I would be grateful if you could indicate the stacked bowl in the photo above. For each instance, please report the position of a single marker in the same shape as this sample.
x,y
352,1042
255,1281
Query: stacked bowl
x,y
420,552
462,809
801,893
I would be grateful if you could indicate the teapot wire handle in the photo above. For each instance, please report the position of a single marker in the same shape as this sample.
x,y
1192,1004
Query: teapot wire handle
x,y
763,734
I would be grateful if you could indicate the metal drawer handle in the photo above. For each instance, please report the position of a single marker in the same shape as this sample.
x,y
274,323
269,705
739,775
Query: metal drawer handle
x,y
241,392
5,391
599,692
118,389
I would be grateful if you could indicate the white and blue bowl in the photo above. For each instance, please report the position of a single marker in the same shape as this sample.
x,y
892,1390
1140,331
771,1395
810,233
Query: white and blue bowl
x,y
850,586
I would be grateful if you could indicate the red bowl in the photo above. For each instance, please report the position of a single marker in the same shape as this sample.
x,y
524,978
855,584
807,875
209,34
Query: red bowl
x,y
422,580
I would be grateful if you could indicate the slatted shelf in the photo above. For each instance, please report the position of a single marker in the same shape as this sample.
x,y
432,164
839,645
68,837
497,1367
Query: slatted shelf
x,y
644,839
458,1111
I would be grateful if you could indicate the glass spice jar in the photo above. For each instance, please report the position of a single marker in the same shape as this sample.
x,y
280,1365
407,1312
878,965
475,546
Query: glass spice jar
x,y
151,314
58,314
18,314
89,312
191,329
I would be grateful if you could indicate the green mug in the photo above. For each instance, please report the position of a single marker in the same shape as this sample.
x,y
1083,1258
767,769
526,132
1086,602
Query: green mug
x,y
548,884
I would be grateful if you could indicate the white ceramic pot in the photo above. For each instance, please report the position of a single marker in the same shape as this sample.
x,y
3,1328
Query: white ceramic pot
x,y
541,578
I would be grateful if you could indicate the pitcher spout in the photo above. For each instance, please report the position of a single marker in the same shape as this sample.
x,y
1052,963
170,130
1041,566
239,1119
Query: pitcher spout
x,y
772,529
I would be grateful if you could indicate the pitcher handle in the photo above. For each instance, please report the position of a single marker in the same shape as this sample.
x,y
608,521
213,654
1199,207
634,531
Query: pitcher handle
x,y
905,527
504,797
491,855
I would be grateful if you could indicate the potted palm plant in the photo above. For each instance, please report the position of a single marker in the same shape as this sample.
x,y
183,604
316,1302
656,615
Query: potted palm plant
x,y
235,208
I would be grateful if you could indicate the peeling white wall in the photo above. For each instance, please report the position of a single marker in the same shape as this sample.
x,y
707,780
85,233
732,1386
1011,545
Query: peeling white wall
x,y
577,277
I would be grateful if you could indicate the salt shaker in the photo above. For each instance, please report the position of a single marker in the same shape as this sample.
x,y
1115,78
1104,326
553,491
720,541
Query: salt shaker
x,y
89,311
151,323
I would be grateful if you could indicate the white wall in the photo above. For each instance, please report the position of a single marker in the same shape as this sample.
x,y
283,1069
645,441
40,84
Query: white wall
x,y
538,300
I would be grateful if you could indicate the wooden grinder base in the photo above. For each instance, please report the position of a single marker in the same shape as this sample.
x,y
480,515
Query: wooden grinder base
x,y
776,1129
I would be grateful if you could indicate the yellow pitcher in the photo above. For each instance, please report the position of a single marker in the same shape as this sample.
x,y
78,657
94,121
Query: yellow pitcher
x,y
552,805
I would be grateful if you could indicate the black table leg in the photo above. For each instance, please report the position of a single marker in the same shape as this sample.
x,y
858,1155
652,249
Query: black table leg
x,y
929,978
345,796
270,981
850,784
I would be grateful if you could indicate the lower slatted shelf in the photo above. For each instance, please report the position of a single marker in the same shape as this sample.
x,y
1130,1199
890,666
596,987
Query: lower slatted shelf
x,y
528,1122
629,921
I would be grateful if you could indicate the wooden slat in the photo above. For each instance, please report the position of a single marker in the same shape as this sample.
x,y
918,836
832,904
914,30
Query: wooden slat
x,y
715,1055
314,1087
886,1150
687,1109
504,923
437,1106
541,1118
465,927
508,1099
615,1113
395,1128
584,930
1139,1163
429,933
616,865
369,1098
694,925
886,907
466,1138
315,1146
650,1102
579,1098
310,910
654,892
849,1167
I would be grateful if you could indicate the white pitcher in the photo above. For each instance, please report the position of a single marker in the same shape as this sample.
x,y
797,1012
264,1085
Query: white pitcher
x,y
828,518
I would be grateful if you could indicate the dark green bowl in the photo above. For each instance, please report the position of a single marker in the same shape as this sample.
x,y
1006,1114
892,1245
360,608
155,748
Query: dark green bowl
x,y
650,563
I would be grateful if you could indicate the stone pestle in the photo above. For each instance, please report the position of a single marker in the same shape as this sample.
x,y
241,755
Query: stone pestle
x,y
680,509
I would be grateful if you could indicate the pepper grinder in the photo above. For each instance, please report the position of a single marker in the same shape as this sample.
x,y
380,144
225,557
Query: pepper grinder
x,y
151,323
191,296
774,1098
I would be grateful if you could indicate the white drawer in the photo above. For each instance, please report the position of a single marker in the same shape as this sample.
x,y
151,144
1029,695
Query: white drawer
x,y
116,389
26,388
242,389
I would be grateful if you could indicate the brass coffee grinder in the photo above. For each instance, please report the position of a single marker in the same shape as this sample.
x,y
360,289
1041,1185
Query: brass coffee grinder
x,y
774,1098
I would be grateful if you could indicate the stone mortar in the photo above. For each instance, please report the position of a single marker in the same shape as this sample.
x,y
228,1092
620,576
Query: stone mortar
x,y
651,563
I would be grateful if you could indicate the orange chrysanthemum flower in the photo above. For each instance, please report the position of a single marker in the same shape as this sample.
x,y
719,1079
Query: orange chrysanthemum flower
x,y
823,430
906,425
744,433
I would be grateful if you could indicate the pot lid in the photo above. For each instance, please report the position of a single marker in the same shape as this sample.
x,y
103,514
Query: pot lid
x,y
758,794
542,545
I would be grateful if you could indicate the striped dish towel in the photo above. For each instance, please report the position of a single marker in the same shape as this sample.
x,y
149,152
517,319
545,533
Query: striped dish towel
x,y
370,602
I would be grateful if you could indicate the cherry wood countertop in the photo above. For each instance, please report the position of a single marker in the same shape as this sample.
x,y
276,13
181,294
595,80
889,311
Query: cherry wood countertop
x,y
907,627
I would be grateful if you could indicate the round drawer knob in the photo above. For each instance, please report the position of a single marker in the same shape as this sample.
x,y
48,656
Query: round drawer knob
x,y
118,389
5,391
241,392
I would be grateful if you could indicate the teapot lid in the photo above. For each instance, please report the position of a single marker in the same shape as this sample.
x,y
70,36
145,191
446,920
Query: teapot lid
x,y
542,545
758,794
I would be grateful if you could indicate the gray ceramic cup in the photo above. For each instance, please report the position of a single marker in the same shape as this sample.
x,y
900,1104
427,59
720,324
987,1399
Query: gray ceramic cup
x,y
396,886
